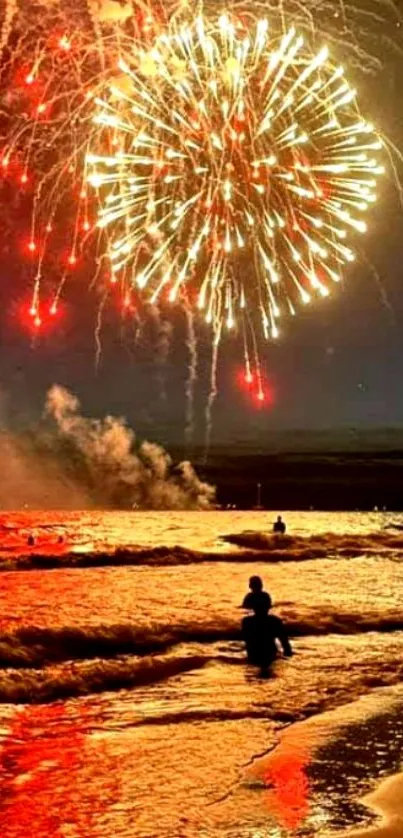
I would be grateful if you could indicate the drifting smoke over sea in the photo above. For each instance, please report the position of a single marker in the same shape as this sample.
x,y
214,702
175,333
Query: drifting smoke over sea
x,y
74,461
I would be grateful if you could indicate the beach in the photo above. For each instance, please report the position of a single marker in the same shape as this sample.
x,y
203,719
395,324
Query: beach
x,y
127,707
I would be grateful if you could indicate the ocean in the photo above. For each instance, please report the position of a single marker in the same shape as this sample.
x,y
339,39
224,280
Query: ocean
x,y
127,708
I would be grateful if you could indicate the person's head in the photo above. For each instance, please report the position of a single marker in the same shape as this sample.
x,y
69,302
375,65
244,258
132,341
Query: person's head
x,y
279,519
255,584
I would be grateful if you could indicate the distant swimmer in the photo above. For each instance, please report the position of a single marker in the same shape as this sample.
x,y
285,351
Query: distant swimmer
x,y
31,541
260,633
256,597
279,526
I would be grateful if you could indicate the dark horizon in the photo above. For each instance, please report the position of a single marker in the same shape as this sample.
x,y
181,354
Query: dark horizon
x,y
321,481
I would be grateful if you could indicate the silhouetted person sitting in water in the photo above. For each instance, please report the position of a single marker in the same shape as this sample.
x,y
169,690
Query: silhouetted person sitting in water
x,y
31,541
256,596
279,526
260,633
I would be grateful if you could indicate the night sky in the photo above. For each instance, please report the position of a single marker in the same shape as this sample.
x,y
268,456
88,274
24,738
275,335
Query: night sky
x,y
338,364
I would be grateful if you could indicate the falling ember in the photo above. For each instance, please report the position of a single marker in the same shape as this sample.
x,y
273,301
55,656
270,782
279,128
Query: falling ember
x,y
243,169
64,43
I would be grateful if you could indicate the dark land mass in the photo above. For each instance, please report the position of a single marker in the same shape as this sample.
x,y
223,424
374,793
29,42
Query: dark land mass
x,y
305,470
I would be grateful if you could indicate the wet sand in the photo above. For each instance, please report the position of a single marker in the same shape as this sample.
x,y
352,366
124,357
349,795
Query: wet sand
x,y
87,770
387,802
337,768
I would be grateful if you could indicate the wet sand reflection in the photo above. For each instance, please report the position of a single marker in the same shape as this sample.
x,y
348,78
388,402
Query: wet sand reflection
x,y
287,798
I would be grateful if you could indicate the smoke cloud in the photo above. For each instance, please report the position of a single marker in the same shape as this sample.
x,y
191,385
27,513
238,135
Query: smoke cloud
x,y
72,461
33,478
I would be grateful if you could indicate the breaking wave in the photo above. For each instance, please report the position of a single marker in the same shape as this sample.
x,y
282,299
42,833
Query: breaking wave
x,y
43,665
248,547
317,546
32,646
76,679
46,664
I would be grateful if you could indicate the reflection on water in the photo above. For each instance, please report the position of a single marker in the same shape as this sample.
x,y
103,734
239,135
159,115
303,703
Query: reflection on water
x,y
87,769
322,768
48,786
66,774
286,778
373,748
193,530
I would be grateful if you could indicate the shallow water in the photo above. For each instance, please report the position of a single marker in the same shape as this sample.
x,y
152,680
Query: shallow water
x,y
157,717
194,530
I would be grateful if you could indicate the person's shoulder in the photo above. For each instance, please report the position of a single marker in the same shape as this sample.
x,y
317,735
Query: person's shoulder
x,y
274,620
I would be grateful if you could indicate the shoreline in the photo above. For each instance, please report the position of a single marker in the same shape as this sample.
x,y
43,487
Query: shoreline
x,y
330,769
387,802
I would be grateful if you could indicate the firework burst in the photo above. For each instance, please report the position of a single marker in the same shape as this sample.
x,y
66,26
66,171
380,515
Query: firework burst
x,y
237,168
229,166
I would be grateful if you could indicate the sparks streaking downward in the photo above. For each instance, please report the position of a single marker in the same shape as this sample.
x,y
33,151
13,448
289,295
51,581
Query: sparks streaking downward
x,y
232,166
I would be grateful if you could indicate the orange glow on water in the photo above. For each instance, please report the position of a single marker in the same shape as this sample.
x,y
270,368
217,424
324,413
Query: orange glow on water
x,y
46,771
288,794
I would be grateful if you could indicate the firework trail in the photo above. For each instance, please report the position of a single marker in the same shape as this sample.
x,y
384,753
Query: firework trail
x,y
191,343
98,332
162,332
9,12
211,399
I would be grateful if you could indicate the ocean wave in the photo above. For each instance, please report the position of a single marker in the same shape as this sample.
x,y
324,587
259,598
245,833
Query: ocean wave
x,y
53,558
74,679
33,647
320,545
249,547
